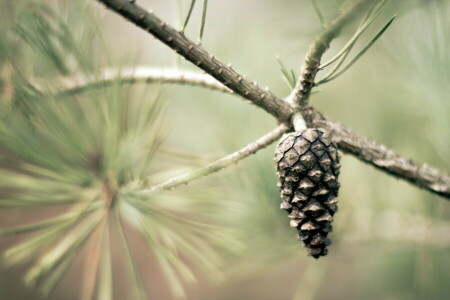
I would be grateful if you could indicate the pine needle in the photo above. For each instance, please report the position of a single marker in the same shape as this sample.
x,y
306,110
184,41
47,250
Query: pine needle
x,y
48,223
69,244
92,260
319,14
26,250
202,28
55,276
368,20
105,284
360,54
186,21
137,289
288,75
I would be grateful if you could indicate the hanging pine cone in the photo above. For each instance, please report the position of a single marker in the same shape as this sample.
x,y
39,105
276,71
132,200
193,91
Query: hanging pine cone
x,y
308,168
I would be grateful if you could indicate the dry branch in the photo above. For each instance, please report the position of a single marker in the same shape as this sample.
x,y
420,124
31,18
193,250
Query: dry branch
x,y
370,152
196,54
110,76
379,156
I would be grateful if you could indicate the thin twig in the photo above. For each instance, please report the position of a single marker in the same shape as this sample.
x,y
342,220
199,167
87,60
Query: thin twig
x,y
201,58
300,94
348,141
222,163
111,76
380,157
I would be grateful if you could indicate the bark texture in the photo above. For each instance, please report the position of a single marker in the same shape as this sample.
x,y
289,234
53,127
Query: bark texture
x,y
196,54
383,158
311,65
423,176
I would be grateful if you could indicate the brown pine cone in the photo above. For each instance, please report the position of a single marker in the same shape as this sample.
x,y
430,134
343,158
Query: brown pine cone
x,y
308,168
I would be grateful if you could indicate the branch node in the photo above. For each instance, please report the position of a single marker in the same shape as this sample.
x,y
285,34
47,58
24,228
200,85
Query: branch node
x,y
378,156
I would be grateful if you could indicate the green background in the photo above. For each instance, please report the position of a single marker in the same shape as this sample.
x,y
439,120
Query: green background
x,y
391,240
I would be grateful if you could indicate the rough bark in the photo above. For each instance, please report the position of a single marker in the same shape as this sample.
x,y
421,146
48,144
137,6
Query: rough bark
x,y
311,65
196,54
423,176
379,156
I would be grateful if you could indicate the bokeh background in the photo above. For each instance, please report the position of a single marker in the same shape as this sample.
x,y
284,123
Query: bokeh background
x,y
391,240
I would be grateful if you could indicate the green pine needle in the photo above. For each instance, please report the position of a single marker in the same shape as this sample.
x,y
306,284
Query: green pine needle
x,y
27,250
186,21
66,218
69,245
105,283
137,288
202,27
288,75
360,54
319,14
367,21
54,277
176,228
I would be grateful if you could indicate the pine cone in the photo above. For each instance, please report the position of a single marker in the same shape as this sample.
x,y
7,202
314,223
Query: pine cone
x,y
308,168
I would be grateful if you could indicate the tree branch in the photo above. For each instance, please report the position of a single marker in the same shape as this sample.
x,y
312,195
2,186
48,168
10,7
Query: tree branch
x,y
311,65
379,156
73,86
224,162
374,154
200,57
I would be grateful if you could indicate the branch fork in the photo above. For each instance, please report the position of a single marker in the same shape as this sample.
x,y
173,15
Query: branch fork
x,y
379,156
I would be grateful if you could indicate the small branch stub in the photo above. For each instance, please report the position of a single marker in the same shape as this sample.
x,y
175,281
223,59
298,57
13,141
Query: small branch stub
x,y
308,167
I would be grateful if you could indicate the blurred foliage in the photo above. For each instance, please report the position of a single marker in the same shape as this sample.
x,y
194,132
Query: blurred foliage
x,y
94,154
74,171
